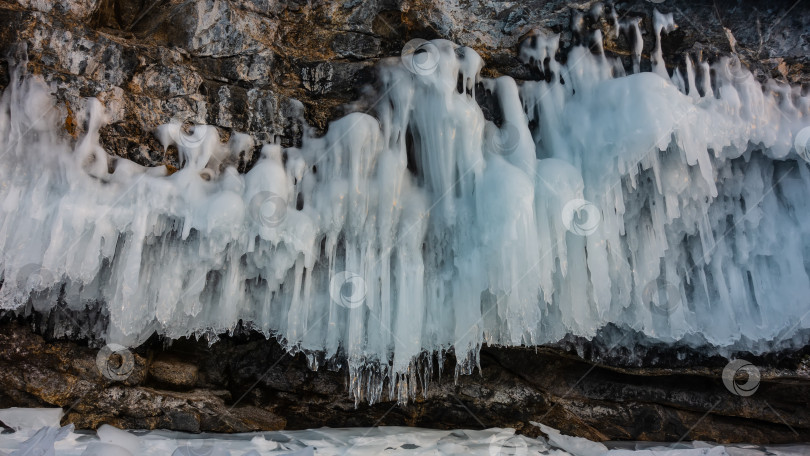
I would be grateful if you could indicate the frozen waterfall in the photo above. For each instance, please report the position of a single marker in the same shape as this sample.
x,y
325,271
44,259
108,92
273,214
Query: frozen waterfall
x,y
676,206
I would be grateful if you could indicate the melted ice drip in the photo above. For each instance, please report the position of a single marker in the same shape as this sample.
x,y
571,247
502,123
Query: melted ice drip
x,y
677,213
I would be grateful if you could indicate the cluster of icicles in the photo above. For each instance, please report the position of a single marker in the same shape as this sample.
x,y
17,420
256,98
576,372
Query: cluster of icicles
x,y
675,206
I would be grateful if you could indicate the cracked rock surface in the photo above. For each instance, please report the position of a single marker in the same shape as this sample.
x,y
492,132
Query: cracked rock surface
x,y
246,383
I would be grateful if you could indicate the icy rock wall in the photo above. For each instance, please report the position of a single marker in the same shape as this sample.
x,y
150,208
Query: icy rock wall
x,y
669,205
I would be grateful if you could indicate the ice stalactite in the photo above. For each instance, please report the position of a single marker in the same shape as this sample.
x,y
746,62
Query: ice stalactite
x,y
674,206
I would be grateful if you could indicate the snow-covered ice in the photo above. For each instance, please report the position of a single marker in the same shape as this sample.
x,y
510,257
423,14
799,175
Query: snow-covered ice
x,y
675,206
108,441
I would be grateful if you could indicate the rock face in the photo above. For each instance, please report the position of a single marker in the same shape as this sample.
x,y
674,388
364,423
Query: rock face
x,y
246,383
274,69
265,66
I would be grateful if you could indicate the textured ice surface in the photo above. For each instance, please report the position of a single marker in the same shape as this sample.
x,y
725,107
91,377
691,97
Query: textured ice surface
x,y
28,418
375,442
673,206
574,445
41,442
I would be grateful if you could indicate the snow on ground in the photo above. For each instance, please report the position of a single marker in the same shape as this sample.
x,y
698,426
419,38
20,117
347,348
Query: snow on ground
x,y
52,440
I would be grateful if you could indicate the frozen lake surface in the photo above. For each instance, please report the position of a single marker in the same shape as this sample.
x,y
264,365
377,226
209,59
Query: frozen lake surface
x,y
36,435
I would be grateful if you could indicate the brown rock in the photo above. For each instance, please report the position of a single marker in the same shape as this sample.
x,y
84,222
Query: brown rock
x,y
173,373
247,383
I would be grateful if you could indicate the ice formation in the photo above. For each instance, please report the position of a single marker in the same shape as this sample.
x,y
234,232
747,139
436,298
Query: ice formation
x,y
669,205
27,418
110,441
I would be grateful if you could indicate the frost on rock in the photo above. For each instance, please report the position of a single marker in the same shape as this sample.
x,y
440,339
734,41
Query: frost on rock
x,y
672,206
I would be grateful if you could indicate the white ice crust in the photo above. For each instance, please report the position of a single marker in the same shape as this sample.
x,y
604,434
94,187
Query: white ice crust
x,y
52,440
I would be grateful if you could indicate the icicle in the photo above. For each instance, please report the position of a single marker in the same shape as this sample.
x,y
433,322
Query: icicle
x,y
589,198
